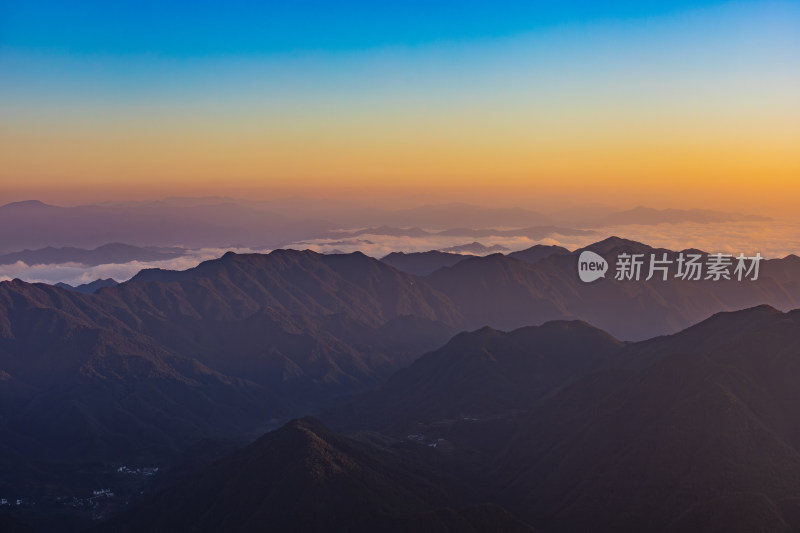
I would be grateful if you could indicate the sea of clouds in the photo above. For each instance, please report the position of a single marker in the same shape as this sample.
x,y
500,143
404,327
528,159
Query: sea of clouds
x,y
774,239
78,274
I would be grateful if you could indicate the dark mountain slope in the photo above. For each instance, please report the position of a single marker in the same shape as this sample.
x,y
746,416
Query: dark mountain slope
x,y
143,369
289,281
306,359
301,323
303,477
75,376
481,374
714,414
696,431
499,291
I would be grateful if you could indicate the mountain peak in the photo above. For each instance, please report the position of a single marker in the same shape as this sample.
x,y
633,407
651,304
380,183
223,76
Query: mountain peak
x,y
729,323
763,310
25,204
306,423
614,242
537,252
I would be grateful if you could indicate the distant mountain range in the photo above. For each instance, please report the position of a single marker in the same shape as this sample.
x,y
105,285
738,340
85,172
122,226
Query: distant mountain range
x,y
424,263
650,216
108,253
475,248
536,253
462,215
33,225
223,222
533,233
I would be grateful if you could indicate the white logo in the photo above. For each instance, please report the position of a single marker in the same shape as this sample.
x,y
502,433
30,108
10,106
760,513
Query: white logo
x,y
591,266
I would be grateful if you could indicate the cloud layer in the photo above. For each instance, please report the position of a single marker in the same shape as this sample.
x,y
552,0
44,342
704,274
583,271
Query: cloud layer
x,y
78,274
774,239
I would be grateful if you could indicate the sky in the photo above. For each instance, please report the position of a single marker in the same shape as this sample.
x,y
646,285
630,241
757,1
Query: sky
x,y
668,104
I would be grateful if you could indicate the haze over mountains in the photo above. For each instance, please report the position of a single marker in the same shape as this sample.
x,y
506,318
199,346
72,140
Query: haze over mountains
x,y
138,372
78,245
219,222
476,248
108,253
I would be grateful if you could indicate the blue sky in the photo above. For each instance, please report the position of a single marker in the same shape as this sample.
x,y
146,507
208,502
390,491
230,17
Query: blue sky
x,y
198,28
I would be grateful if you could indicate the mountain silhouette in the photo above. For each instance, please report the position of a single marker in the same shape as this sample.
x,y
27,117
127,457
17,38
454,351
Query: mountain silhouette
x,y
536,253
89,288
144,368
108,253
506,293
422,263
481,373
475,248
305,478
697,431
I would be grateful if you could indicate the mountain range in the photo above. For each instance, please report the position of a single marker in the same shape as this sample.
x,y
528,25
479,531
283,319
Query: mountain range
x,y
108,253
696,431
476,248
547,426
424,263
554,428
506,293
142,369
34,224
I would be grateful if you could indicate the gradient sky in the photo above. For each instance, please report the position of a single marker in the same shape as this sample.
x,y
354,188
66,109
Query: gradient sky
x,y
687,104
